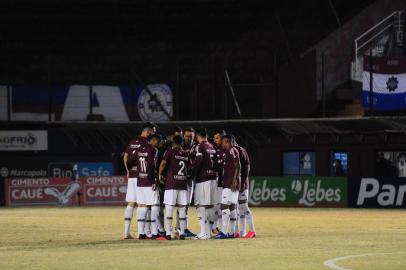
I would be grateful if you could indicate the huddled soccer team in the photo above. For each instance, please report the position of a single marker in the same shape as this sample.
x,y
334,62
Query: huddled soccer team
x,y
164,176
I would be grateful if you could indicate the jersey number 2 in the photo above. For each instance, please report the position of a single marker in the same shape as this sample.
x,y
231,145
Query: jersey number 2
x,y
182,168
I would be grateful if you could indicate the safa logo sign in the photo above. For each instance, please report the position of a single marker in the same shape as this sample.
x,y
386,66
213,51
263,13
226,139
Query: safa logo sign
x,y
68,169
95,168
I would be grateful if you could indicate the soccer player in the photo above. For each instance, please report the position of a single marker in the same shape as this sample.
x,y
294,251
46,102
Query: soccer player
x,y
206,183
189,146
147,193
176,162
220,153
243,209
155,141
131,168
231,185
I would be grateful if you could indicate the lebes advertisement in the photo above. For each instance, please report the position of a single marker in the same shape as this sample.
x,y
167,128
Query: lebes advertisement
x,y
293,191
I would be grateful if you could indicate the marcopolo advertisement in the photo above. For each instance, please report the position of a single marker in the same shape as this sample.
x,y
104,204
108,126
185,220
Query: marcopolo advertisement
x,y
377,192
41,191
302,191
23,140
104,190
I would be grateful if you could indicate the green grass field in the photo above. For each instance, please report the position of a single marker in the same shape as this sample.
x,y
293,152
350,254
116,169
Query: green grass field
x,y
90,238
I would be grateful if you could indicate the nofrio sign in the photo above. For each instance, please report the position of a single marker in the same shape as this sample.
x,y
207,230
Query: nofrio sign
x,y
23,140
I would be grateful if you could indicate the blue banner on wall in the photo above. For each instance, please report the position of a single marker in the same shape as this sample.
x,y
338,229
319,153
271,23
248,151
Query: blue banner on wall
x,y
71,103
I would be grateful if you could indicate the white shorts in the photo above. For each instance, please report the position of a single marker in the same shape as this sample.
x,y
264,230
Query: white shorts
x,y
190,190
176,196
131,195
243,195
147,196
229,197
205,192
219,195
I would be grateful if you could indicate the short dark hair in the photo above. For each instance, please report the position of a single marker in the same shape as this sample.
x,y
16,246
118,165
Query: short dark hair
x,y
227,136
176,129
148,125
154,136
177,139
220,131
189,129
201,132
232,138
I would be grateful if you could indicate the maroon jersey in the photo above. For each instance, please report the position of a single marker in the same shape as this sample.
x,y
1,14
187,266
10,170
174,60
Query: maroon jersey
x,y
245,166
230,163
190,149
177,163
203,164
130,150
218,165
146,157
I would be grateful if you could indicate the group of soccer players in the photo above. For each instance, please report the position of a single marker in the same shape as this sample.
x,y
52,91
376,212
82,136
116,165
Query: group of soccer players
x,y
164,176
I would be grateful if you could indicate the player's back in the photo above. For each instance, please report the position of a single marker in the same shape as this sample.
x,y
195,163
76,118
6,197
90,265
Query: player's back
x,y
206,154
231,158
131,149
146,158
176,177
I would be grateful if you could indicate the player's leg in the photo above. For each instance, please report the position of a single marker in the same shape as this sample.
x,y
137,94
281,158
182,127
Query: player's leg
x,y
200,202
141,216
160,220
142,211
147,228
153,203
217,211
225,220
177,220
225,214
210,213
170,202
190,189
233,220
128,215
182,221
248,218
209,219
242,219
131,198
182,201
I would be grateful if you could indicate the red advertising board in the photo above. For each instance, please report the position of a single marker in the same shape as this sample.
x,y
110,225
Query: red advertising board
x,y
104,190
41,191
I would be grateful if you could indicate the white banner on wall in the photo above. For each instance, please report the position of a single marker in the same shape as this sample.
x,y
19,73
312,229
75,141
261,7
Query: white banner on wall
x,y
23,140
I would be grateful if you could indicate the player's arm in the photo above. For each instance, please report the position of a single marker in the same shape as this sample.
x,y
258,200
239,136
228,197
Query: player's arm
x,y
125,160
162,167
237,172
152,160
197,163
245,167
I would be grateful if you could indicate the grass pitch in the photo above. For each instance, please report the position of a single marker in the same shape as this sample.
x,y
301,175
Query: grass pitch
x,y
90,238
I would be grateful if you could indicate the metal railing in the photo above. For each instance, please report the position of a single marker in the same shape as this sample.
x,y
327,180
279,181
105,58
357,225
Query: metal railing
x,y
373,34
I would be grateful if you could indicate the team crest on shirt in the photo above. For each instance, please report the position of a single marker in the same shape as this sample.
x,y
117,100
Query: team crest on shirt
x,y
148,105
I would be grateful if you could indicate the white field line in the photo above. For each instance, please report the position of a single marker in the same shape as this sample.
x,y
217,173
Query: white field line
x,y
331,263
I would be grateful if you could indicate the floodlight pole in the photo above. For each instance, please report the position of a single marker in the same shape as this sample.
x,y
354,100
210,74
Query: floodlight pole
x,y
8,103
371,84
323,94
